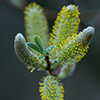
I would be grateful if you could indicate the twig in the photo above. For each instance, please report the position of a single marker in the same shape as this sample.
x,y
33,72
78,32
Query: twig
x,y
48,63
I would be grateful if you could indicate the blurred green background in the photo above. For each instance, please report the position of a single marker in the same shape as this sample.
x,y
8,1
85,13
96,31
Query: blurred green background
x,y
16,83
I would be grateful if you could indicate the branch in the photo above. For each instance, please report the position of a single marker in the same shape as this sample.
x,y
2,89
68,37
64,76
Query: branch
x,y
48,63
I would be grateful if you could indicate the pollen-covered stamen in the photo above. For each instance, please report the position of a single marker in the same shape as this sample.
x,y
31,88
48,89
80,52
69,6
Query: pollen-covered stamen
x,y
51,88
22,51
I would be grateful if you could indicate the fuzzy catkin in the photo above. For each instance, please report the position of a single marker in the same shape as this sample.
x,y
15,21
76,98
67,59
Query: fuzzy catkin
x,y
36,23
51,88
22,51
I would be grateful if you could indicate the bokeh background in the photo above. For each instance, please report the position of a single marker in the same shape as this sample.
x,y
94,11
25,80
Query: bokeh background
x,y
16,83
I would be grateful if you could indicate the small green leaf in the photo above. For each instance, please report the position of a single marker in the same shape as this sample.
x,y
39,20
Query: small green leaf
x,y
41,57
50,48
38,41
33,46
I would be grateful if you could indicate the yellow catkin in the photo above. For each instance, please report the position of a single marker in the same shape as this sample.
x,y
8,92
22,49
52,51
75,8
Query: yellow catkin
x,y
51,89
35,23
70,47
66,25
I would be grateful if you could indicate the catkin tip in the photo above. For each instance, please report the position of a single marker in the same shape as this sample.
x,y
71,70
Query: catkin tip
x,y
87,34
89,30
19,37
71,7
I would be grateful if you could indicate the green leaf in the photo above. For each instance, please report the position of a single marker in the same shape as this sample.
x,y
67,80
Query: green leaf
x,y
38,41
41,57
50,48
33,46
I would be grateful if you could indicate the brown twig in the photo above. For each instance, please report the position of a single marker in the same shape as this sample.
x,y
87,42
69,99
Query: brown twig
x,y
48,63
